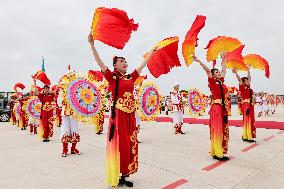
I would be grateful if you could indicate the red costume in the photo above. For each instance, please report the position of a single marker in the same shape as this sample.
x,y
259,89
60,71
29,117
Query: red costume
x,y
219,130
249,130
240,103
46,115
58,113
122,150
13,115
24,118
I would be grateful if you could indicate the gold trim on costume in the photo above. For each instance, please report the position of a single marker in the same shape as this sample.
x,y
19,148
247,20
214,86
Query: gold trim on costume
x,y
126,104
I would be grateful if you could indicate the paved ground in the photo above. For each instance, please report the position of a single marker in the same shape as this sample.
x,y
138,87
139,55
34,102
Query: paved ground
x,y
165,160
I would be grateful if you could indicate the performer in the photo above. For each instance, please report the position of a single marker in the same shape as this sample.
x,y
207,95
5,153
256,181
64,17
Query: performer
x,y
58,113
69,128
33,122
265,104
12,103
177,102
258,102
229,105
272,104
239,103
219,130
99,124
122,145
249,130
46,115
23,117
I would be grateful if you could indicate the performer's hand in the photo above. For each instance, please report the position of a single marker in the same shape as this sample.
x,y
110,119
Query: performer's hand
x,y
195,58
90,39
235,71
223,56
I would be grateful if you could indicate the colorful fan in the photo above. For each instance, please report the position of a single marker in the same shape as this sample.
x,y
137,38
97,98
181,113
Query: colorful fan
x,y
112,27
33,107
148,101
195,103
190,41
165,57
205,103
84,97
234,59
221,44
19,85
257,62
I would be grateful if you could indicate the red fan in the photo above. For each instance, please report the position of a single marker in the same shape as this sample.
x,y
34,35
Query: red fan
x,y
234,59
112,27
41,76
95,75
165,57
19,85
257,62
139,80
190,42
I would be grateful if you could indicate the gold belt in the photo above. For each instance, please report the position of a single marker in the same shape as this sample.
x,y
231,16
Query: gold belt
x,y
218,101
126,104
248,101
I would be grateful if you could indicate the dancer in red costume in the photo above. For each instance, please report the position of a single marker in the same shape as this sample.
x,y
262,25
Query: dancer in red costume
x,y
249,130
122,144
46,116
219,130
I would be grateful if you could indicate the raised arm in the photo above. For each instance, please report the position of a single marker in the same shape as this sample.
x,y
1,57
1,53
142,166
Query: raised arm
x,y
144,63
36,90
205,68
235,71
95,53
224,66
249,75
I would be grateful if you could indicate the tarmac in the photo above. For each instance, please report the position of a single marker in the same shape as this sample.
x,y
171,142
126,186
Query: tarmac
x,y
166,160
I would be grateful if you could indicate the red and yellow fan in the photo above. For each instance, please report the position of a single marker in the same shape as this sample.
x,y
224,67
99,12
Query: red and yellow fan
x,y
219,45
95,75
190,41
139,80
165,57
19,85
257,62
234,59
41,76
112,27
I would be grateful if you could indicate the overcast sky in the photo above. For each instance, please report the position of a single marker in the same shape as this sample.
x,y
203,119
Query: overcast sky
x,y
58,31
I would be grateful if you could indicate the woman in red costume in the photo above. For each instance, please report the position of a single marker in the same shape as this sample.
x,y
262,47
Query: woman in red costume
x,y
249,130
219,130
122,144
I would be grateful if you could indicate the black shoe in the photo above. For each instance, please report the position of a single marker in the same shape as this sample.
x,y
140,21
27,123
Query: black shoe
x,y
245,140
182,133
44,140
129,184
215,157
98,133
121,181
251,141
224,158
138,142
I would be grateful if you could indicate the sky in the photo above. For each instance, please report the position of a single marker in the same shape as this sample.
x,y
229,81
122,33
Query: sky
x,y
58,31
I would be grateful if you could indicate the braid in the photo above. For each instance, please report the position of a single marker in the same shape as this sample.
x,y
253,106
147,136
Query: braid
x,y
223,100
113,113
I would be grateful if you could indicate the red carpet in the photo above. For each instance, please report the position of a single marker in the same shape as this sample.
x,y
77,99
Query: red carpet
x,y
237,123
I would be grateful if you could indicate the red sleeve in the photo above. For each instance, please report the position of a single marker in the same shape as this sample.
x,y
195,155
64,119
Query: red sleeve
x,y
39,96
211,80
134,75
108,75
